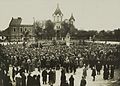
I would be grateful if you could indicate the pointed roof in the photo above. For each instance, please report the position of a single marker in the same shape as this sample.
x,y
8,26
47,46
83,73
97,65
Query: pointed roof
x,y
57,11
72,18
16,21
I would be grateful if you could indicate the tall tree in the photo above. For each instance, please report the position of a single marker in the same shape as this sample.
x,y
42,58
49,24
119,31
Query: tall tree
x,y
49,29
38,31
117,34
65,29
25,35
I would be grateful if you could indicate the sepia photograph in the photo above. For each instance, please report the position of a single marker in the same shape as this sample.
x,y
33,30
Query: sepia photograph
x,y
59,42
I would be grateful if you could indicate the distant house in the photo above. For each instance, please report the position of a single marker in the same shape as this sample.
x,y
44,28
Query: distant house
x,y
16,31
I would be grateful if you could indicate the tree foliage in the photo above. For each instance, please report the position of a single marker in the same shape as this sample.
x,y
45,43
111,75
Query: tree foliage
x,y
65,29
25,35
75,33
38,33
117,34
49,29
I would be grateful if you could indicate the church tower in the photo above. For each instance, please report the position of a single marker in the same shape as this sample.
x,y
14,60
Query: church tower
x,y
57,15
72,19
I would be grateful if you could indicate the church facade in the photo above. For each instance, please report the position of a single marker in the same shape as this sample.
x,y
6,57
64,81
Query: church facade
x,y
58,19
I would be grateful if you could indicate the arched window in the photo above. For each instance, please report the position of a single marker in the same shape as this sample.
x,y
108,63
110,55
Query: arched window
x,y
57,18
21,29
14,29
25,29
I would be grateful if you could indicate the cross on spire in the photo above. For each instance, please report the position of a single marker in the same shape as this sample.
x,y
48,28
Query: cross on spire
x,y
57,5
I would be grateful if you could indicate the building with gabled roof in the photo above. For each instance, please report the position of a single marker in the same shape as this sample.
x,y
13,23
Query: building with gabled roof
x,y
15,21
15,31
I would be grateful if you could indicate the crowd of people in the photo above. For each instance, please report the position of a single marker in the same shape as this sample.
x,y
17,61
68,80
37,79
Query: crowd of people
x,y
69,58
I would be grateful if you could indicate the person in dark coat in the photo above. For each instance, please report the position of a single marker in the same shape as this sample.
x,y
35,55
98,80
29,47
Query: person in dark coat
x,y
38,80
83,81
98,67
63,79
71,67
63,71
112,72
44,75
67,66
85,71
34,80
29,80
23,79
8,81
93,73
106,73
13,74
27,66
51,76
74,68
71,80
54,76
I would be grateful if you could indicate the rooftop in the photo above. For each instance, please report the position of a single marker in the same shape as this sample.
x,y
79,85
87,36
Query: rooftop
x,y
58,11
72,18
16,21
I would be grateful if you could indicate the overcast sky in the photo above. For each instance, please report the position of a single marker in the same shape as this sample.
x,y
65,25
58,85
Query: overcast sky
x,y
89,14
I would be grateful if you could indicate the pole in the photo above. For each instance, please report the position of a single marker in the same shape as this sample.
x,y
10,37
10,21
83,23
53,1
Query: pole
x,y
34,27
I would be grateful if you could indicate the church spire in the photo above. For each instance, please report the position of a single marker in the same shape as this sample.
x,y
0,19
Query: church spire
x,y
58,11
57,5
72,18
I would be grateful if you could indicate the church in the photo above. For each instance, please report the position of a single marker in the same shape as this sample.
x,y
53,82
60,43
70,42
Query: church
x,y
17,31
58,19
